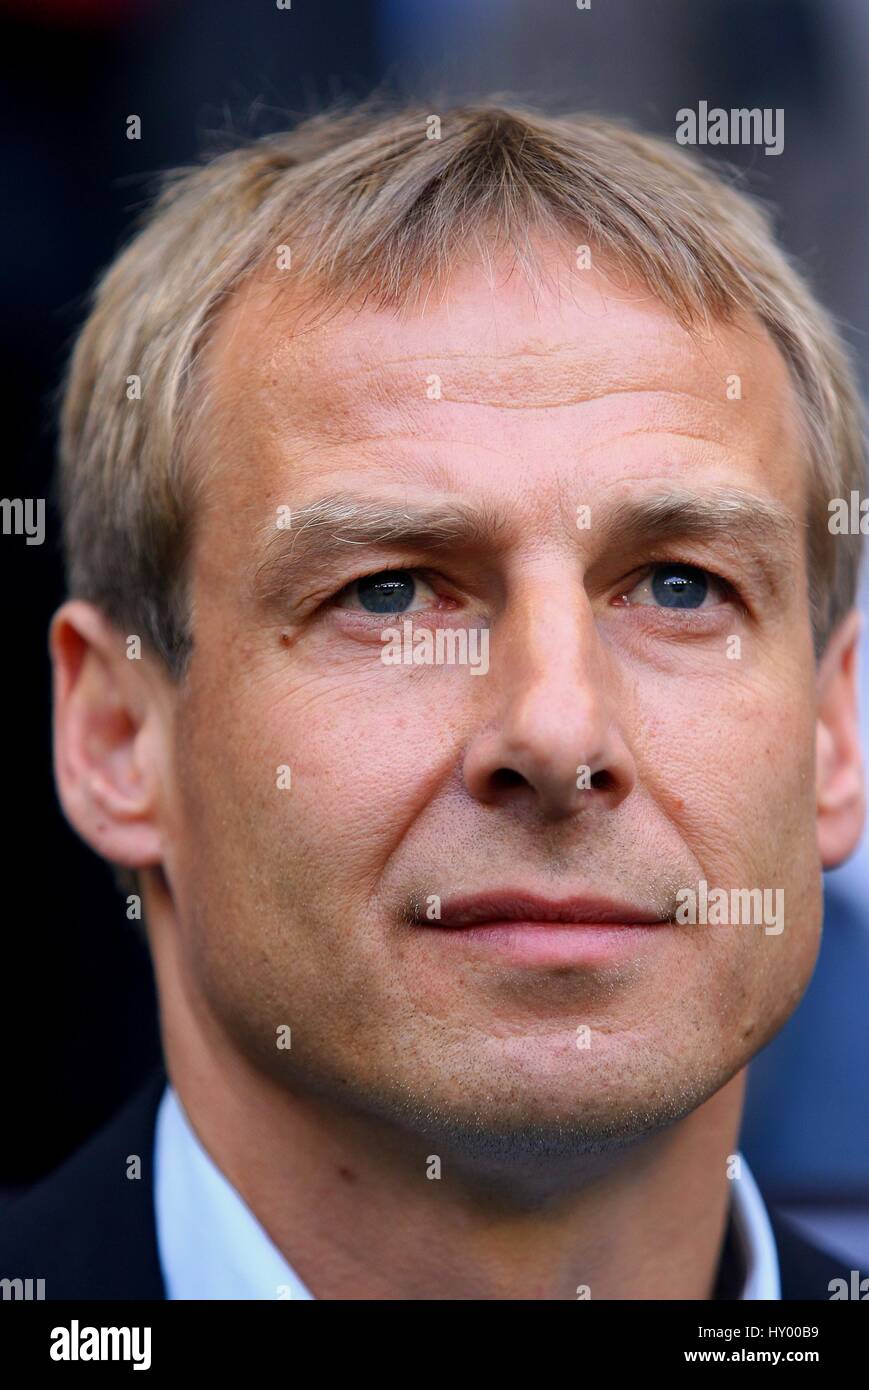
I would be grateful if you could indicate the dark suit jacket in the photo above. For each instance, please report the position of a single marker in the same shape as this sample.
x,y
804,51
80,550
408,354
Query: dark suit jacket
x,y
90,1232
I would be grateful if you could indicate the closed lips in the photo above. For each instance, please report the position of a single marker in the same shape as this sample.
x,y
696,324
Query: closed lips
x,y
511,907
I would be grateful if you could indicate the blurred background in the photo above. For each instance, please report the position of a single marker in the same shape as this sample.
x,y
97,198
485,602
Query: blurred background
x,y
77,993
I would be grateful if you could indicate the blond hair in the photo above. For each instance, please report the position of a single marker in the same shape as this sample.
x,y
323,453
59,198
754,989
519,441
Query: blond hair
x,y
369,204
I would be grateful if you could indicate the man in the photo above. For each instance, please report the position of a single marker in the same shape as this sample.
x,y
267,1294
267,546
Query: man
x,y
459,655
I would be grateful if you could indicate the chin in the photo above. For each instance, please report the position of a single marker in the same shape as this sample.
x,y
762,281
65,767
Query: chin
x,y
513,1120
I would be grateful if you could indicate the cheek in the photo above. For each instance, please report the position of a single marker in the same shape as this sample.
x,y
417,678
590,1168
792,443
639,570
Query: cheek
x,y
730,759
729,763
366,750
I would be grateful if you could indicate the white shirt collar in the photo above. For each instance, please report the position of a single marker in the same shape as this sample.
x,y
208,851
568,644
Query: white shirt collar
x,y
755,1237
212,1246
210,1243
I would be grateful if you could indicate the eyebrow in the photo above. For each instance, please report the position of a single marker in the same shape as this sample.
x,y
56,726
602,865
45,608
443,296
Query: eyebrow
x,y
758,526
322,532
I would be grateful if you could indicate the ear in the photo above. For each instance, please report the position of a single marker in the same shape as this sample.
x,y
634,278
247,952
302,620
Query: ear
x,y
107,737
841,805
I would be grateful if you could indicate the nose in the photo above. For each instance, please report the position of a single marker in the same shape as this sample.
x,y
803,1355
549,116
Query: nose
x,y
551,736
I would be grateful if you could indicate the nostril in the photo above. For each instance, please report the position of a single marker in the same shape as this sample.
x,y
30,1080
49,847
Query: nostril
x,y
603,781
507,777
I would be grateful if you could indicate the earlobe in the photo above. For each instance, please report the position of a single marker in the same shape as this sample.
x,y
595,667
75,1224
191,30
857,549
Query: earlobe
x,y
105,785
839,764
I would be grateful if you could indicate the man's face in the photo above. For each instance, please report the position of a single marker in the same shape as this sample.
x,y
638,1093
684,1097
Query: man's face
x,y
646,721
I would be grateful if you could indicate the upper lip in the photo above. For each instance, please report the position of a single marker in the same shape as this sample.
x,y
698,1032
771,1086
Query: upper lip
x,y
507,906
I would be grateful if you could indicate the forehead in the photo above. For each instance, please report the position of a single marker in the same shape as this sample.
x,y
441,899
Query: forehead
x,y
494,382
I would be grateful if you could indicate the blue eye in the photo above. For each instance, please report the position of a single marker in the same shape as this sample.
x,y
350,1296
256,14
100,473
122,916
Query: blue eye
x,y
390,591
673,585
679,586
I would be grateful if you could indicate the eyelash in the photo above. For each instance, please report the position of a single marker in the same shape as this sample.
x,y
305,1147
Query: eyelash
x,y
730,593
430,577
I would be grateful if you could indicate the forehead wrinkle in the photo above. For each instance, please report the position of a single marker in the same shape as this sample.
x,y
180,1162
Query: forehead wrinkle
x,y
346,399
566,372
350,390
656,432
514,386
372,434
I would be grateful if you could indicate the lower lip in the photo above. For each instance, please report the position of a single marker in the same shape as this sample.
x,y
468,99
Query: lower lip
x,y
554,943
